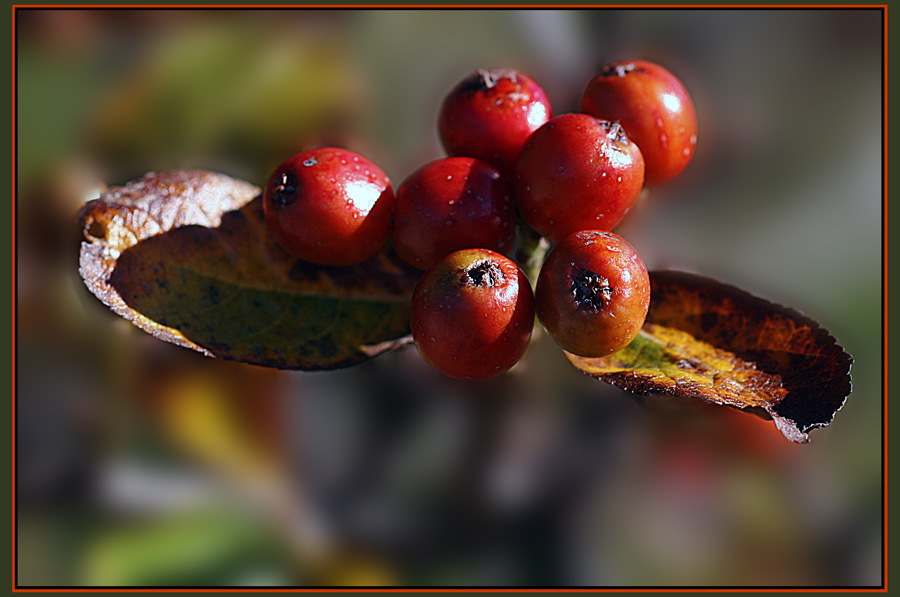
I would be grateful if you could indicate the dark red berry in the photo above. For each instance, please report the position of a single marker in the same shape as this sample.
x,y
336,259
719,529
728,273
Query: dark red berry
x,y
653,107
329,206
451,204
472,314
490,114
593,293
577,173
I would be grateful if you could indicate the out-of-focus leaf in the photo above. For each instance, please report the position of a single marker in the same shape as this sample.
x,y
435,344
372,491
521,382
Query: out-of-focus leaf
x,y
248,91
205,416
709,340
198,547
185,256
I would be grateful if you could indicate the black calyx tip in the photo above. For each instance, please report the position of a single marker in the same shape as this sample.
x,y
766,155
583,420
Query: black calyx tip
x,y
615,131
483,273
618,70
483,79
590,290
284,190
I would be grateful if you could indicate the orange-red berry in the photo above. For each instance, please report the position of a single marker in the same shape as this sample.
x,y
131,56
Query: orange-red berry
x,y
593,293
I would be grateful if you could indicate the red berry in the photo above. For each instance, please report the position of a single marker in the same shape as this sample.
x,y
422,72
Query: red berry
x,y
329,206
451,204
490,114
472,314
593,293
653,107
577,173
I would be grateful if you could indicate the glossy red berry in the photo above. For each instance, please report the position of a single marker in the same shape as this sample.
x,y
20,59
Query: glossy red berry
x,y
490,114
451,204
593,293
329,206
577,173
653,107
472,314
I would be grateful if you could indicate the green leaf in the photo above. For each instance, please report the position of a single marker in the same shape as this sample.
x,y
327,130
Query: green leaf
x,y
708,340
196,547
185,256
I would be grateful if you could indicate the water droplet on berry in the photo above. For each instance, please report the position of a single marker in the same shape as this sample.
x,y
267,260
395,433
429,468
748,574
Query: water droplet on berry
x,y
310,162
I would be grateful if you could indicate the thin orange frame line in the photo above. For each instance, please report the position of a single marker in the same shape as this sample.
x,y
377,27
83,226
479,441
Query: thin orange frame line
x,y
884,305
447,6
883,7
14,195
443,590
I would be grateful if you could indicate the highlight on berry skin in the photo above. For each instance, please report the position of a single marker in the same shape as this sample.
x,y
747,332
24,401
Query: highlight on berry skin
x,y
450,204
329,206
577,172
490,114
655,109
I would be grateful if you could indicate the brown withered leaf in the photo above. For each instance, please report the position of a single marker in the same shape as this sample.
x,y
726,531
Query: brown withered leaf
x,y
708,340
185,256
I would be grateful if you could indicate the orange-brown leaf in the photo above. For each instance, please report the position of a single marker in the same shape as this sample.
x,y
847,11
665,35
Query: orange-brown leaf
x,y
708,340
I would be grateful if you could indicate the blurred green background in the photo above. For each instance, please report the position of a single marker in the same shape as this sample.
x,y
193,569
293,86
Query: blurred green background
x,y
141,463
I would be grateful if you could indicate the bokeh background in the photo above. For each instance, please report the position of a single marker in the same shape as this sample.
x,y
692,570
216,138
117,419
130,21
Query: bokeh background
x,y
141,463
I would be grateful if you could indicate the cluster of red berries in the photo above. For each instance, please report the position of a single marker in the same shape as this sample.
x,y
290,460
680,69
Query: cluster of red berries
x,y
571,177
